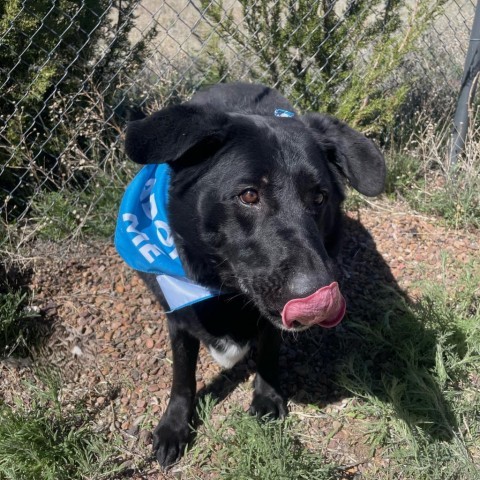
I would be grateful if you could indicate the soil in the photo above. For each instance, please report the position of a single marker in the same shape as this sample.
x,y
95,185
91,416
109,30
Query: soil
x,y
110,337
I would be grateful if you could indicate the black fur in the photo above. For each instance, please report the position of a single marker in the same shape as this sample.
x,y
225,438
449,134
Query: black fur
x,y
224,141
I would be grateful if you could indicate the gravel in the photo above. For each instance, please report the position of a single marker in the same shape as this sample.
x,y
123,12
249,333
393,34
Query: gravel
x,y
110,338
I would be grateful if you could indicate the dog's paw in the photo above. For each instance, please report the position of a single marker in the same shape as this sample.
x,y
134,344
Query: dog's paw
x,y
169,442
271,406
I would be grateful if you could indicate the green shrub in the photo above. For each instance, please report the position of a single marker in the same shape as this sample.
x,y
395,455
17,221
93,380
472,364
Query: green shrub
x,y
244,448
47,440
413,367
64,65
21,328
330,57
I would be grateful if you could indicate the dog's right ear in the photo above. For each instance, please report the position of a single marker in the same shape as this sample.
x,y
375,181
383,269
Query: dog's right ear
x,y
177,133
356,156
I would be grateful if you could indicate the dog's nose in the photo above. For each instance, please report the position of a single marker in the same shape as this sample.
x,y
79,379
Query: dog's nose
x,y
304,284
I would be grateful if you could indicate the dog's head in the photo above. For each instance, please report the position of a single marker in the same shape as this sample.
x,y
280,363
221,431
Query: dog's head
x,y
254,202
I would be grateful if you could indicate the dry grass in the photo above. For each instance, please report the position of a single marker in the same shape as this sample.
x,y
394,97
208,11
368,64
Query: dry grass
x,y
422,174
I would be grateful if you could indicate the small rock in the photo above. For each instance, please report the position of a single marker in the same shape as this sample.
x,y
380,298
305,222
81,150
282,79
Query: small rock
x,y
145,437
77,351
133,431
120,307
126,465
336,425
138,420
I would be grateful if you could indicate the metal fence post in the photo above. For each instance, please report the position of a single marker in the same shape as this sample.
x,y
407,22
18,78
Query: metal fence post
x,y
467,90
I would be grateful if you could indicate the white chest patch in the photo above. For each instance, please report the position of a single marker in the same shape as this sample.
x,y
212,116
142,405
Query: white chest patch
x,y
228,353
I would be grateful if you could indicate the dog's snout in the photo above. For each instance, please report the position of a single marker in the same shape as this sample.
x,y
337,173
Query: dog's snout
x,y
304,284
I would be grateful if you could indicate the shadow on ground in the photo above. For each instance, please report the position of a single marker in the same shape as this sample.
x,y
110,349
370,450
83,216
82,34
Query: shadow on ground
x,y
382,349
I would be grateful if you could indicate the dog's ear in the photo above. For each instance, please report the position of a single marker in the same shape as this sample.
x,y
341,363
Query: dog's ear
x,y
357,157
179,132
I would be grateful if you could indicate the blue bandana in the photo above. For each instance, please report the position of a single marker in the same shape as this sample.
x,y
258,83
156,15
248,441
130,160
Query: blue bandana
x,y
143,237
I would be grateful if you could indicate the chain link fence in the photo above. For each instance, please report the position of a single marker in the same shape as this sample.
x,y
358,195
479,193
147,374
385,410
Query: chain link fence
x,y
72,73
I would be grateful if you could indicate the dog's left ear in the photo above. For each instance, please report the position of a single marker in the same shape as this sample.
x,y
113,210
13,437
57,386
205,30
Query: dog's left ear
x,y
357,157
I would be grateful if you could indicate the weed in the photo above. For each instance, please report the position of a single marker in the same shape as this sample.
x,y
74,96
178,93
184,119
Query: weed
x,y
421,174
20,326
457,202
403,173
46,441
244,448
416,374
92,212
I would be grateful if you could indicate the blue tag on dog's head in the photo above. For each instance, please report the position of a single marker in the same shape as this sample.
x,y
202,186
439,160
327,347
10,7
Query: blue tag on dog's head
x,y
283,113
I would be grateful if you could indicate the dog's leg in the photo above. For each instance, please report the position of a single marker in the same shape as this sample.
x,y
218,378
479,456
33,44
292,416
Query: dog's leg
x,y
172,433
267,399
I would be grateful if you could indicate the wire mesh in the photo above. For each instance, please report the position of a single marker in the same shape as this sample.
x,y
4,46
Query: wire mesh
x,y
72,73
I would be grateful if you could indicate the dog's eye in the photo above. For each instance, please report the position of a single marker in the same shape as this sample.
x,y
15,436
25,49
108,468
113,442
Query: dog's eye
x,y
320,198
249,196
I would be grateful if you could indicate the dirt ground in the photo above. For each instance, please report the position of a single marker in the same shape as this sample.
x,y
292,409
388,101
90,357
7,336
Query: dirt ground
x,y
110,337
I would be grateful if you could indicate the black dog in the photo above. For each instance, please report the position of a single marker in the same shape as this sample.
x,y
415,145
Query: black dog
x,y
254,210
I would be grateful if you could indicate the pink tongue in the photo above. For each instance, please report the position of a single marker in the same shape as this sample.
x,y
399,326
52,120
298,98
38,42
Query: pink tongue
x,y
326,307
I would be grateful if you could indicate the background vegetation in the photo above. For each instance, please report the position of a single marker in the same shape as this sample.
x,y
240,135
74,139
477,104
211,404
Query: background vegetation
x,y
343,60
62,66
71,76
